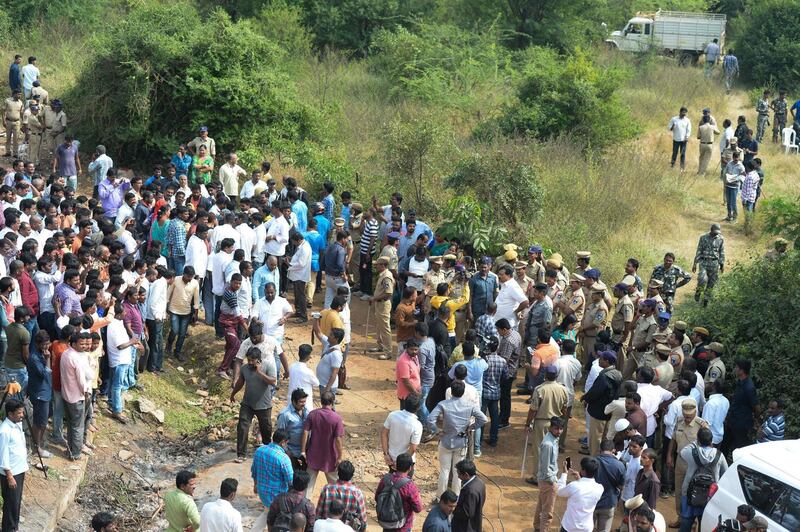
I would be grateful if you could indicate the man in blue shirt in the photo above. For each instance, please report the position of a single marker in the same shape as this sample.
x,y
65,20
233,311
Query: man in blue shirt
x,y
346,200
323,224
611,475
420,227
438,519
317,243
14,80
291,420
483,287
328,201
299,209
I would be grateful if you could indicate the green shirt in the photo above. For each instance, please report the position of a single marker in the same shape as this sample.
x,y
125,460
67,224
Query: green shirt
x,y
17,336
181,511
202,177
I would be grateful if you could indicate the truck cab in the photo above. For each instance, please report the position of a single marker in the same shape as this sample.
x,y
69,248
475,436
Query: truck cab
x,y
636,36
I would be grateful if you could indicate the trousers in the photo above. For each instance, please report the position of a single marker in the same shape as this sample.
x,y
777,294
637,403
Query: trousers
x,y
365,273
246,414
596,429
680,473
179,324
706,151
537,435
34,148
761,127
543,517
76,417
301,298
505,400
12,501
383,326
12,137
603,519
332,284
155,341
679,146
707,278
731,195
448,458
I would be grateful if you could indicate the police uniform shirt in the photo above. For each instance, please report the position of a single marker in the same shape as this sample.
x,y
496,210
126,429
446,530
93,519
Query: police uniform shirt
x,y
13,109
623,314
643,332
716,370
549,400
577,302
384,286
595,315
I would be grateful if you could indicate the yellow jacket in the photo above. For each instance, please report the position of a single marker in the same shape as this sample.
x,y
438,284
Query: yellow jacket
x,y
453,305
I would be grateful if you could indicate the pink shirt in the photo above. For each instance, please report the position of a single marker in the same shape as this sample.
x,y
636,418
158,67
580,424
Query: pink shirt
x,y
407,368
73,376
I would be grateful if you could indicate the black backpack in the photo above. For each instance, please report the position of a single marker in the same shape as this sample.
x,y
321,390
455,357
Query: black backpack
x,y
283,522
389,505
703,479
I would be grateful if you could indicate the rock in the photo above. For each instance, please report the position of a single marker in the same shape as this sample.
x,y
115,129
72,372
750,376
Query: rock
x,y
354,435
145,405
124,455
124,443
202,393
194,403
212,437
191,371
180,368
210,450
158,415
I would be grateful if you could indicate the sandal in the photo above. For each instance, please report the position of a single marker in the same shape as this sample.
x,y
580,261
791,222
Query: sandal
x,y
239,459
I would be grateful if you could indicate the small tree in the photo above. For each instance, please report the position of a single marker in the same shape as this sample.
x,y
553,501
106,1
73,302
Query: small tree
x,y
510,188
472,223
782,217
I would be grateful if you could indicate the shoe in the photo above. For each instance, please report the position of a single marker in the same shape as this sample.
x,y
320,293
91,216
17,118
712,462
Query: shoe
x,y
309,305
523,391
119,417
44,453
384,357
528,401
532,481
503,426
239,459
365,297
476,454
344,387
62,441
337,391
428,436
676,524
89,445
374,350
301,320
88,452
584,450
223,375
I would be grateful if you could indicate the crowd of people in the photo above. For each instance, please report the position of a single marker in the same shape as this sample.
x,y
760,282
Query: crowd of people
x,y
98,287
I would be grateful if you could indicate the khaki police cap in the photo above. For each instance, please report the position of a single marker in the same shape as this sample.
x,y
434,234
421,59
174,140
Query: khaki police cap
x,y
583,254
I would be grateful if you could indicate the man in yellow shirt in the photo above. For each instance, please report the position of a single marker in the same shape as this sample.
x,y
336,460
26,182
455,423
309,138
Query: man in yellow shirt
x,y
329,319
179,506
442,297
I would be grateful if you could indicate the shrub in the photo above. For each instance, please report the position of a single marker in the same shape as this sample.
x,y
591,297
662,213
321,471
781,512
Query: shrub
x,y
782,217
755,313
567,94
509,188
471,222
157,76
774,56
282,23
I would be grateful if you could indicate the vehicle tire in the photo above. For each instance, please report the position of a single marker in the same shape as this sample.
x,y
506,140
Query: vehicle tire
x,y
686,59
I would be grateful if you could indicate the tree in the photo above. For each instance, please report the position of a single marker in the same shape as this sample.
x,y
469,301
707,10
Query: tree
x,y
782,217
770,50
508,187
473,224
157,76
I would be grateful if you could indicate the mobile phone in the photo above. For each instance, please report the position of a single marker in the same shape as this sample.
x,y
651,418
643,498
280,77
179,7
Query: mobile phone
x,y
569,462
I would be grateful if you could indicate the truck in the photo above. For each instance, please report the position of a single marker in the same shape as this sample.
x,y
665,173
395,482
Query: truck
x,y
672,33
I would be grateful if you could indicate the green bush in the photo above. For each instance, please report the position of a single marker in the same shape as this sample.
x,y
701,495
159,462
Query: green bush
x,y
282,23
509,187
782,217
442,64
471,222
567,95
756,315
769,50
157,75
83,14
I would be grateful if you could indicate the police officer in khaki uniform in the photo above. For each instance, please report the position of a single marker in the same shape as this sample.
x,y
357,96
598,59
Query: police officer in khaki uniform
x,y
621,322
549,400
37,90
448,267
433,278
642,339
654,293
35,130
202,139
594,321
521,276
382,301
663,370
716,367
582,259
555,262
55,124
508,257
573,302
12,120
685,433
686,343
535,269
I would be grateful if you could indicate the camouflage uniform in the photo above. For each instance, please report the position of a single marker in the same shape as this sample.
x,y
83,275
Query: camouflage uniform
x,y
781,108
762,108
710,257
671,281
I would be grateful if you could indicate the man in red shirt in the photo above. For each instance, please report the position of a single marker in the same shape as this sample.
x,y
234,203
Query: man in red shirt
x,y
407,372
409,492
27,288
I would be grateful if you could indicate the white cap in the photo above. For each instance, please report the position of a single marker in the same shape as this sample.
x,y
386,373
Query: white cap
x,y
621,425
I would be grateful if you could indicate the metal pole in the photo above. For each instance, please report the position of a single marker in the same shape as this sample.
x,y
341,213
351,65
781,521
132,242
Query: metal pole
x,y
524,455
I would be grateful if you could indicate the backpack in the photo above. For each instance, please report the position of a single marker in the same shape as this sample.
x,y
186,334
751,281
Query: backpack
x,y
389,505
283,522
433,313
703,479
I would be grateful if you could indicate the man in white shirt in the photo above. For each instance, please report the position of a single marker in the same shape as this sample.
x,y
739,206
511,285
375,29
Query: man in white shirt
x,y
229,176
277,234
333,523
219,262
247,236
569,372
681,128
30,73
226,230
197,251
155,312
120,357
402,431
716,410
582,496
511,300
272,311
13,461
253,186
652,397
100,165
301,376
299,274
220,515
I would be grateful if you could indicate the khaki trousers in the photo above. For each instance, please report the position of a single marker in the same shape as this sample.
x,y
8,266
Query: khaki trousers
x,y
588,348
680,473
13,130
448,458
311,288
705,157
596,429
537,435
383,325
34,145
544,506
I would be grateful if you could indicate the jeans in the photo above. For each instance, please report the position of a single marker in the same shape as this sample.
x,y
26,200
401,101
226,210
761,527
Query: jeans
x,y
331,286
177,264
208,301
218,329
423,413
76,417
300,299
20,375
493,407
505,400
731,194
47,322
365,273
118,380
679,146
243,427
179,326
58,417
12,501
155,329
603,519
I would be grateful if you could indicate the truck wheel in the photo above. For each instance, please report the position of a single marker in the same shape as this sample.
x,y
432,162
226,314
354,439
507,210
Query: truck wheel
x,y
686,59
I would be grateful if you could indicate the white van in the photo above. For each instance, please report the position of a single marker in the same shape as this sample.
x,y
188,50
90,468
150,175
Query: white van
x,y
767,477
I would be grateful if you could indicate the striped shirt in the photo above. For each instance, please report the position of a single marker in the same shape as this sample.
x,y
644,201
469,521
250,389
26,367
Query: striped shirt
x,y
772,428
370,231
494,375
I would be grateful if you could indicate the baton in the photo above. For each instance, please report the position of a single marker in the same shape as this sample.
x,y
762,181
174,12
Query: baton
x,y
524,455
